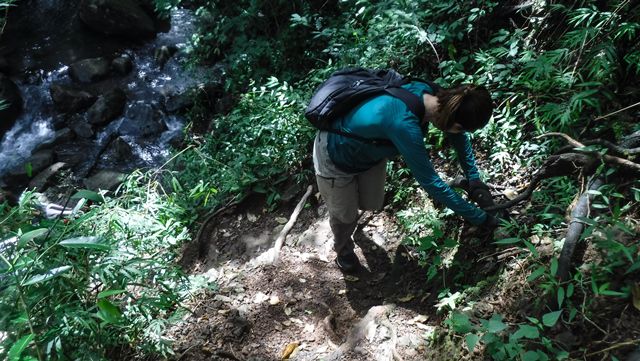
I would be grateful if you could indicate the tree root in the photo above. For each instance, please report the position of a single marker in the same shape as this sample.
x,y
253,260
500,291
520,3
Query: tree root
x,y
576,226
375,315
581,160
271,255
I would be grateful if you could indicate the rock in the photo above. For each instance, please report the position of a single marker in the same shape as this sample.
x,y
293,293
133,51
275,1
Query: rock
x,y
36,163
142,119
163,54
122,149
74,153
105,179
107,108
10,93
4,65
43,179
117,17
207,94
122,64
69,99
89,70
81,127
61,136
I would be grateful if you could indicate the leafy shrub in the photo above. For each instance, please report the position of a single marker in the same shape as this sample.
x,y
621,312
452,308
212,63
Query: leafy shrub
x,y
82,286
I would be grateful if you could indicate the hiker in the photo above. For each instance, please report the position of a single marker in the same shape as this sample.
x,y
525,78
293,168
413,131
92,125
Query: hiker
x,y
351,171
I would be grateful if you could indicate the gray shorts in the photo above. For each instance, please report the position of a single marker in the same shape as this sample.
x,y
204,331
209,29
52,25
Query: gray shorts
x,y
345,193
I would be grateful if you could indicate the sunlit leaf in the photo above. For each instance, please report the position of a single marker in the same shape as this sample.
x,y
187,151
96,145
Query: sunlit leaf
x,y
550,319
108,293
46,276
18,348
87,194
31,235
85,243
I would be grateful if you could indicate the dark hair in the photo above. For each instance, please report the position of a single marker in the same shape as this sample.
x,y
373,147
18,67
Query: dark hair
x,y
467,104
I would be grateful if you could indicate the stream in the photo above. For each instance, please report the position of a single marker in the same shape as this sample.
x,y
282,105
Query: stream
x,y
41,41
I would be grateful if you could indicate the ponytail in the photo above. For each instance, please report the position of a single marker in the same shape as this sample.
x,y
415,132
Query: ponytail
x,y
467,104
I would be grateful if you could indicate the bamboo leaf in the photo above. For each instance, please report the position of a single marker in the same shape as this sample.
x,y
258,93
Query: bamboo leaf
x,y
87,194
47,276
108,312
85,243
31,235
18,348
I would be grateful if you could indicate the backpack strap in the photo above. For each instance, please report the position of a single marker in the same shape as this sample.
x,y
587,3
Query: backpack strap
x,y
413,102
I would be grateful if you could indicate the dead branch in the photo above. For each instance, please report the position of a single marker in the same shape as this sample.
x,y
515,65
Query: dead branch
x,y
625,163
576,226
359,330
292,220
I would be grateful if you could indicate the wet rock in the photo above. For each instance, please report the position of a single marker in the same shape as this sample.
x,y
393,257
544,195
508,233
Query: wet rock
x,y
74,153
61,136
10,93
122,64
105,179
142,120
4,65
69,99
163,54
122,149
208,94
44,178
36,163
117,17
107,108
89,70
81,127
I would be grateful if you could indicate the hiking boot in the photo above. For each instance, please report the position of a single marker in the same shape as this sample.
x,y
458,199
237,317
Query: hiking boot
x,y
348,262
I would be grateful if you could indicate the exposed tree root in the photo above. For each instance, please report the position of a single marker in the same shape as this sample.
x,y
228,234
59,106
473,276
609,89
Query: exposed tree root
x,y
576,226
271,255
375,315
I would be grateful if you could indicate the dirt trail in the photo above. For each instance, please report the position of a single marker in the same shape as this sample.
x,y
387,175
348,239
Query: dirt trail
x,y
260,311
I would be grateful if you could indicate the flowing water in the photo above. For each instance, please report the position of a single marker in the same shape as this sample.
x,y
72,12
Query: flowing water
x,y
56,39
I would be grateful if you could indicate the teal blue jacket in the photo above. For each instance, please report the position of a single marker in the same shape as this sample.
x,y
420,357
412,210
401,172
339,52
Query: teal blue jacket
x,y
387,117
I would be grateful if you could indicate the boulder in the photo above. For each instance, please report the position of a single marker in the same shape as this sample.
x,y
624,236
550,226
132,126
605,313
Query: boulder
x,y
142,119
122,64
117,17
36,163
61,136
107,108
10,94
105,179
122,149
44,178
81,127
75,152
89,70
69,99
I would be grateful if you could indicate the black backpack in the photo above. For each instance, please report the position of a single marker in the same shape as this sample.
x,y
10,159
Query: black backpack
x,y
347,88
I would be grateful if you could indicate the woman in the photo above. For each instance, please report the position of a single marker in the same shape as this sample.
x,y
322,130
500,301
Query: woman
x,y
351,173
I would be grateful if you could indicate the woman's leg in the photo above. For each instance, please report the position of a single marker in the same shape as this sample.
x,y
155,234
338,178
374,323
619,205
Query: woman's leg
x,y
371,187
341,197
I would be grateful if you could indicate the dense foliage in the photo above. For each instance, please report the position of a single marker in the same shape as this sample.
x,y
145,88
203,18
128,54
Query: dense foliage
x,y
103,278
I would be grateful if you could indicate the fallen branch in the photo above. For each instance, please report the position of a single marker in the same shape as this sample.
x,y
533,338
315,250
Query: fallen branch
x,y
576,226
618,345
359,330
625,163
272,254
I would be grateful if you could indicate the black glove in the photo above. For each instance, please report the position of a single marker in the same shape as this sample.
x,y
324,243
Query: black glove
x,y
480,193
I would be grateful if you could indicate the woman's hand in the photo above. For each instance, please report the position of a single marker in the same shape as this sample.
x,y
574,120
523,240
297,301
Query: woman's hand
x,y
480,193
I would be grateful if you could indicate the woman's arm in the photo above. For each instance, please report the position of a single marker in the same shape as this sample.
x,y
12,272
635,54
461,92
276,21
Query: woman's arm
x,y
462,145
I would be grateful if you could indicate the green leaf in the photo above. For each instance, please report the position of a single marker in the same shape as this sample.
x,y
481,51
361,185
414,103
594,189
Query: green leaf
x,y
570,290
495,324
535,274
108,293
86,243
472,340
508,241
450,243
47,276
108,312
550,319
530,356
18,348
31,235
90,195
460,323
560,296
527,331
554,267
